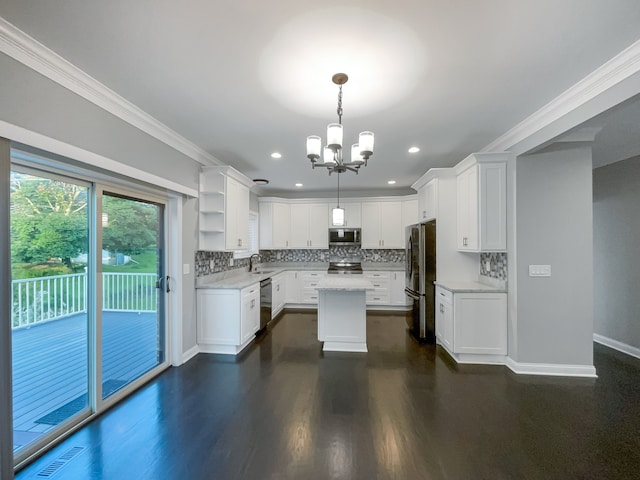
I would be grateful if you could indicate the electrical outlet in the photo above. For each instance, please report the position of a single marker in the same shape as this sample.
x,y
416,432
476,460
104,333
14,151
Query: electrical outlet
x,y
212,264
487,265
231,262
539,270
186,268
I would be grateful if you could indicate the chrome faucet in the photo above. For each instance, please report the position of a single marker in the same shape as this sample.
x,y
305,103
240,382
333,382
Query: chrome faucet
x,y
255,255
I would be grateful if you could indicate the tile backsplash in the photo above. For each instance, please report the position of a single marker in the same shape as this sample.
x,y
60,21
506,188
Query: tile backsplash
x,y
381,255
498,264
203,265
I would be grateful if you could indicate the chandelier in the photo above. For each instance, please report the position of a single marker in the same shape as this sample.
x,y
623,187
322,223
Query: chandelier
x,y
332,158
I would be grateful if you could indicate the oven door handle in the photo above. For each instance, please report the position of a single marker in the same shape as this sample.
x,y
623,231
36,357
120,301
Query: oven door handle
x,y
411,294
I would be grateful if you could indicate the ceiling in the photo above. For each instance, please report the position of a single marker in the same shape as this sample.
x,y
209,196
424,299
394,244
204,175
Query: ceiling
x,y
245,78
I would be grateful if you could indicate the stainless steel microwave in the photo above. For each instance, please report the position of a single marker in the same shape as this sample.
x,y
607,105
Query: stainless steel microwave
x,y
344,237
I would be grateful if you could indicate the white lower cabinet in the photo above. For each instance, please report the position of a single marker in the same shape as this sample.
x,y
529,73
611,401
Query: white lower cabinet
x,y
227,318
293,292
301,286
472,325
380,293
278,293
310,280
396,287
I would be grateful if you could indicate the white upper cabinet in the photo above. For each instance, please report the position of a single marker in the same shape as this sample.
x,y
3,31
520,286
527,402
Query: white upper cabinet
x,y
275,221
223,210
236,216
352,214
309,225
481,203
409,212
428,201
382,225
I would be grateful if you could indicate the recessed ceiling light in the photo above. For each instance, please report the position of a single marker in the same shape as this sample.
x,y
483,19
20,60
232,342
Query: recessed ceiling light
x,y
276,155
298,184
414,150
391,182
260,181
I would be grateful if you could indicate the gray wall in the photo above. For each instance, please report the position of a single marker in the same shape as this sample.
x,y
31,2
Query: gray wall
x,y
554,226
31,101
34,102
616,237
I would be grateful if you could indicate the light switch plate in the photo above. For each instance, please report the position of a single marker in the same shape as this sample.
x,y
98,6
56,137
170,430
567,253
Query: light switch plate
x,y
186,268
539,270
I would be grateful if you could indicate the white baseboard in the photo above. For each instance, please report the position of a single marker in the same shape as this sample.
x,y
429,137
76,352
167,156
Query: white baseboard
x,y
616,345
551,369
189,354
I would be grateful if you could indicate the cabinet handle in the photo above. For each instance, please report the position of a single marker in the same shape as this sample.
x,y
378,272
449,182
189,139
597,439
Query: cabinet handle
x,y
424,214
286,243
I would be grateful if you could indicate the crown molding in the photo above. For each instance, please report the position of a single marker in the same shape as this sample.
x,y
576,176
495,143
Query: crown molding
x,y
28,51
615,71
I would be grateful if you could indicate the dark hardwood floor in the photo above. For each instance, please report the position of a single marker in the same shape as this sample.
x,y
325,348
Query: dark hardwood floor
x,y
285,410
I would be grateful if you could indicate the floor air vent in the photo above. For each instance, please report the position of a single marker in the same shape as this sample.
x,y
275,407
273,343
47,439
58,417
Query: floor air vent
x,y
60,462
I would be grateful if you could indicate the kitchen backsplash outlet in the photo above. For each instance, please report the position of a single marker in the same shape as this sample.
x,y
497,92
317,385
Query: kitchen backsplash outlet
x,y
497,263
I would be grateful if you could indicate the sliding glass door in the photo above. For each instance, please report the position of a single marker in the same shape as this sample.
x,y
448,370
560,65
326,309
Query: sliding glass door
x,y
133,285
50,308
88,292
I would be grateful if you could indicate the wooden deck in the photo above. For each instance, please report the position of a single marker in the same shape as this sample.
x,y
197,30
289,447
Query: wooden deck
x,y
50,365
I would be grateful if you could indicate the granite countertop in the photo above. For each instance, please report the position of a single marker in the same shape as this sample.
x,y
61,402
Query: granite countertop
x,y
344,282
239,278
468,287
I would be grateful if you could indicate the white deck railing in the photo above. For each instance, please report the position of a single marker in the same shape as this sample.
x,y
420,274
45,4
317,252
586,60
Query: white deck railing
x,y
41,299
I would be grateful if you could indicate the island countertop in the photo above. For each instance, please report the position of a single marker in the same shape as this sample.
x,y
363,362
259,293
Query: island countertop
x,y
344,282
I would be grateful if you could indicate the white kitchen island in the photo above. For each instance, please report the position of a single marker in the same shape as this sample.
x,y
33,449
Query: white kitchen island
x,y
342,314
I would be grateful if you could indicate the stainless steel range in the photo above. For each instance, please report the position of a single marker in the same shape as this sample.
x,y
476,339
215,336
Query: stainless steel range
x,y
345,267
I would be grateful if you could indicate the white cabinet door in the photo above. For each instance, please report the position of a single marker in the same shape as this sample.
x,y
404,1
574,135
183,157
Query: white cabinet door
x,y
318,225
236,216
391,228
409,212
480,323
299,236
309,226
382,225
427,199
250,312
467,193
482,204
293,287
398,297
370,225
281,225
278,293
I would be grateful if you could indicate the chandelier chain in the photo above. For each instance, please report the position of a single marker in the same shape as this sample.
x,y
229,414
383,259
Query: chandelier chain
x,y
339,110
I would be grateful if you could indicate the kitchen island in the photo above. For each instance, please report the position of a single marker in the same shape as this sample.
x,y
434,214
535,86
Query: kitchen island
x,y
342,314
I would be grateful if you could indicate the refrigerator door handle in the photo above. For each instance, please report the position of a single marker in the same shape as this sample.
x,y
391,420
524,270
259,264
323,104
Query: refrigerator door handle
x,y
411,294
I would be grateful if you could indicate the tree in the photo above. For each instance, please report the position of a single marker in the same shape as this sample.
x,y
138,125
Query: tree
x,y
48,219
129,226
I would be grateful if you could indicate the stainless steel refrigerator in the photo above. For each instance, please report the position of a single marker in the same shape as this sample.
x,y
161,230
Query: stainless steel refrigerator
x,y
420,275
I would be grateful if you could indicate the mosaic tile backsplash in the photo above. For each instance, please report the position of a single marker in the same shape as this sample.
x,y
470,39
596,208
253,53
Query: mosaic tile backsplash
x,y
498,263
221,259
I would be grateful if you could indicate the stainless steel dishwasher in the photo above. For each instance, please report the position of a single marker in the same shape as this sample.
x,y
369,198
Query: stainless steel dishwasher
x,y
265,302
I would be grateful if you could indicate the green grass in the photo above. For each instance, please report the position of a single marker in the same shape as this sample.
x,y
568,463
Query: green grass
x,y
145,262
